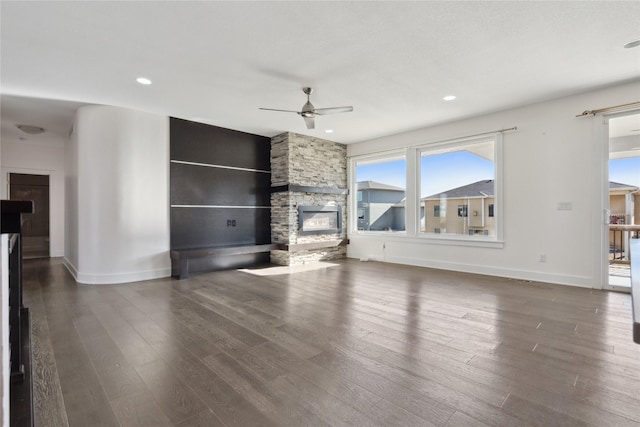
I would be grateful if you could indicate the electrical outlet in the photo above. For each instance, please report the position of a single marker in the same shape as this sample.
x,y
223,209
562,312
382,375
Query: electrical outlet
x,y
543,257
231,223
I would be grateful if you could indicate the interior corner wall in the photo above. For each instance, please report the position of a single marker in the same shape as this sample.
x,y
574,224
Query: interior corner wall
x,y
553,157
118,206
45,157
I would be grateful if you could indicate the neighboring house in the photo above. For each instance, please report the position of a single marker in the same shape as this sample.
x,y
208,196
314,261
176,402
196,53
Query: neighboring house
x,y
624,208
464,210
624,203
378,207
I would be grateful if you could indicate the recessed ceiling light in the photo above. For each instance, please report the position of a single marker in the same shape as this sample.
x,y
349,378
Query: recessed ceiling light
x,y
634,43
143,81
31,130
329,130
449,98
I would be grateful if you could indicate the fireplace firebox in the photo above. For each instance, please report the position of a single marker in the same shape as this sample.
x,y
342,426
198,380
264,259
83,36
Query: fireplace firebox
x,y
319,220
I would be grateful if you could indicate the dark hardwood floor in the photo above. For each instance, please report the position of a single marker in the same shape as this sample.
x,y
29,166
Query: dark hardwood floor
x,y
356,344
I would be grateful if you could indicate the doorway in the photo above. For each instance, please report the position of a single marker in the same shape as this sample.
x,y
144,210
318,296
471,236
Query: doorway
x,y
623,197
35,228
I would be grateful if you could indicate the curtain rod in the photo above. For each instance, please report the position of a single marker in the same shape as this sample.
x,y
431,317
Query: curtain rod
x,y
490,132
610,109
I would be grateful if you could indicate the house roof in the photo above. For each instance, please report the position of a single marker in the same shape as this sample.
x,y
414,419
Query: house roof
x,y
619,186
373,185
484,188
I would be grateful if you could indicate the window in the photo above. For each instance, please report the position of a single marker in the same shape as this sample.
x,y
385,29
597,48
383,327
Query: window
x,y
448,191
381,182
459,175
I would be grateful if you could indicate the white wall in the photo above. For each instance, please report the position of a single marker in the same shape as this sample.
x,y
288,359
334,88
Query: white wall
x,y
552,157
71,200
45,157
118,204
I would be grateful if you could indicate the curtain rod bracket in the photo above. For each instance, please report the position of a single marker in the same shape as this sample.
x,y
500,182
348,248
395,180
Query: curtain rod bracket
x,y
623,107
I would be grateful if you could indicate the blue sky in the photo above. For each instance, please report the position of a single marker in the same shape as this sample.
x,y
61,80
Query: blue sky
x,y
439,172
392,173
443,172
625,171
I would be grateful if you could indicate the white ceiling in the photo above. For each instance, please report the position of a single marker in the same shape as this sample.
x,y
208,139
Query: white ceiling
x,y
218,62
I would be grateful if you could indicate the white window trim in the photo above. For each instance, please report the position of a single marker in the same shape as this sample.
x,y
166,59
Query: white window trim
x,y
391,155
498,175
412,154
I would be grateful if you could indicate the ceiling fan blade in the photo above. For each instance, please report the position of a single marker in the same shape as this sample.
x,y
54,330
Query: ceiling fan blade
x,y
284,111
333,110
310,122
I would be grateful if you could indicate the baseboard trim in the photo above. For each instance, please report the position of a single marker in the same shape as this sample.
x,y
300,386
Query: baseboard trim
x,y
536,276
70,268
115,278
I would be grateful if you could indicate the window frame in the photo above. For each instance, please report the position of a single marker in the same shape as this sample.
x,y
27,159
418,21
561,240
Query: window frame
x,y
412,155
387,156
459,144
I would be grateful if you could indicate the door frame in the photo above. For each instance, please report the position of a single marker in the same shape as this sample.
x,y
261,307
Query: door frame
x,y
4,194
603,225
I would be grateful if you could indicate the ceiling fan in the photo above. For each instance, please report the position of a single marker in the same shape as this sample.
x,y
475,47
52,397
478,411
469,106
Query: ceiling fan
x,y
309,112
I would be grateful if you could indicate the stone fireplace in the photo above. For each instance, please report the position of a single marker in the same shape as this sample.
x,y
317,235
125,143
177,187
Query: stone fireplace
x,y
308,199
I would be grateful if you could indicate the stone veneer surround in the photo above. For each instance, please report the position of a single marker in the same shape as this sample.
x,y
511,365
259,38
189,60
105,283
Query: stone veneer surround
x,y
320,166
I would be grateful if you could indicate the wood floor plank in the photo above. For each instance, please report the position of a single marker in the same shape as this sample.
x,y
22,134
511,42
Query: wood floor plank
x,y
177,401
204,419
258,393
89,406
48,398
323,405
139,410
351,343
121,381
460,419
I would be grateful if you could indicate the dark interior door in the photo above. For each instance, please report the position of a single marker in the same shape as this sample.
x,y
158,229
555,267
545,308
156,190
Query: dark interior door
x,y
35,238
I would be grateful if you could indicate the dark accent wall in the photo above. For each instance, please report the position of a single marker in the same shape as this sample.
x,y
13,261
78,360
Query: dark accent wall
x,y
220,185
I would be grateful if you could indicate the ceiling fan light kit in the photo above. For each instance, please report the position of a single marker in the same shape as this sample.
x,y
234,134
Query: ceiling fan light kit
x,y
309,112
30,129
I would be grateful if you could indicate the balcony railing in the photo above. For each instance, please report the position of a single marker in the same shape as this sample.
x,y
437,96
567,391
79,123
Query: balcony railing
x,y
619,238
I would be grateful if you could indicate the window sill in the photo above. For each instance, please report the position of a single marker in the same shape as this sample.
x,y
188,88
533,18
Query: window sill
x,y
401,236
